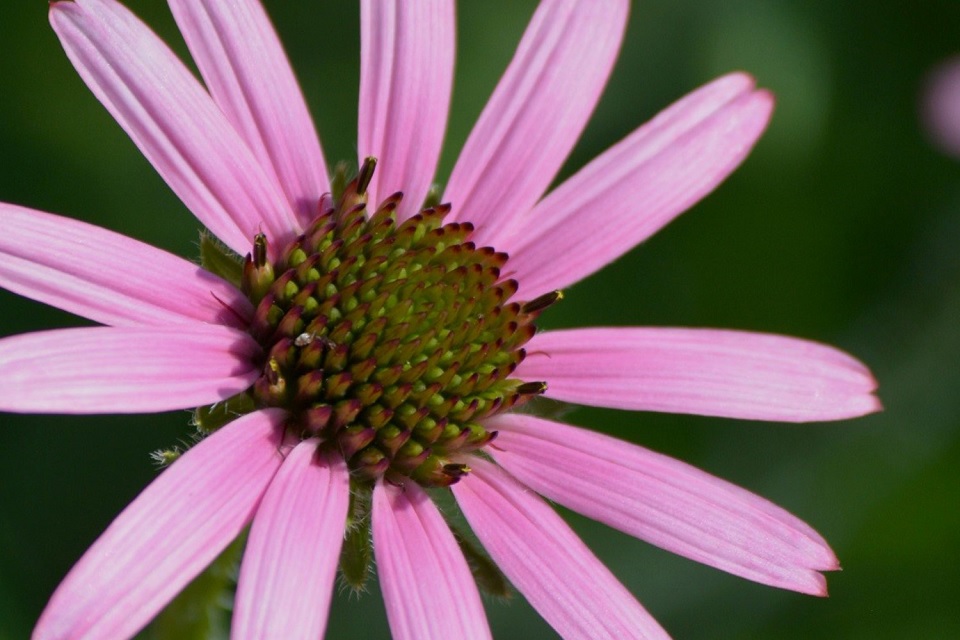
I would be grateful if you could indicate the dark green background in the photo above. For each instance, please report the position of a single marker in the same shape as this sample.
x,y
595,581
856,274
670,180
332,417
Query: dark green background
x,y
843,226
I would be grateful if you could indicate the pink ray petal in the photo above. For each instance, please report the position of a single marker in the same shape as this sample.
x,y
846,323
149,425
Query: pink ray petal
x,y
546,561
108,277
173,121
427,586
288,569
406,76
168,534
637,186
244,66
124,369
940,106
663,501
734,374
536,113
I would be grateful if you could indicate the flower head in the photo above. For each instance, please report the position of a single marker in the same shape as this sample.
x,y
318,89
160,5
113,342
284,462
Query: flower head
x,y
376,343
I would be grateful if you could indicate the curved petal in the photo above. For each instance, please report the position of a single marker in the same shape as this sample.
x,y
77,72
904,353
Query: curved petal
x,y
734,374
422,570
637,186
546,561
536,113
168,534
663,501
108,277
173,121
288,568
406,77
124,370
244,66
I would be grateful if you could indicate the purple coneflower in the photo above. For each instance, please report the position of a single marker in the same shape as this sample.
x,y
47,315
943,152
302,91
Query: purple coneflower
x,y
376,346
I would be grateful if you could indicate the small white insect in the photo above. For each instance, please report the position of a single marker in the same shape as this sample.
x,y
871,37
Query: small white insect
x,y
304,339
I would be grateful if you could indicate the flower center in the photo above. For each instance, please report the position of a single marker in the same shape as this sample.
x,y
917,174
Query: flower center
x,y
389,340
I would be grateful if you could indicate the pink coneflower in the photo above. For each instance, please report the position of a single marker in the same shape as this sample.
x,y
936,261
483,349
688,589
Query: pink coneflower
x,y
377,349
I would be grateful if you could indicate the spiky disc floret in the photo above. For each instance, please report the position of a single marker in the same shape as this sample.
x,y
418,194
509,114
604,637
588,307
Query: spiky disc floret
x,y
389,341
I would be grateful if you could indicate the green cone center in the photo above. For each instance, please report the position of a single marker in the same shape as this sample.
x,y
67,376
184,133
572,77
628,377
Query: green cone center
x,y
390,341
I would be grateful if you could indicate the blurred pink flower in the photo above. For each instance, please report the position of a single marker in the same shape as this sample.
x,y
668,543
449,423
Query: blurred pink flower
x,y
245,159
940,106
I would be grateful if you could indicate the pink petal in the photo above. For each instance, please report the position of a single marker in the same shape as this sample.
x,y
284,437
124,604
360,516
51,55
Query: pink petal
x,y
124,370
173,121
734,374
536,113
168,534
546,561
244,66
940,106
427,586
406,76
663,501
637,186
108,277
286,578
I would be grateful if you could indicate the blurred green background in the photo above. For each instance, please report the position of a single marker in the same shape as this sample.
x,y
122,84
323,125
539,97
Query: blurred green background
x,y
843,226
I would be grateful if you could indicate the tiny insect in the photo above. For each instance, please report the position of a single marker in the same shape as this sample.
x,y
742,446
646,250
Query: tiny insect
x,y
304,339
308,337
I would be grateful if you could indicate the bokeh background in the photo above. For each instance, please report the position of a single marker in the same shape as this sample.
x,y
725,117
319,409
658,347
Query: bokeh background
x,y
843,226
